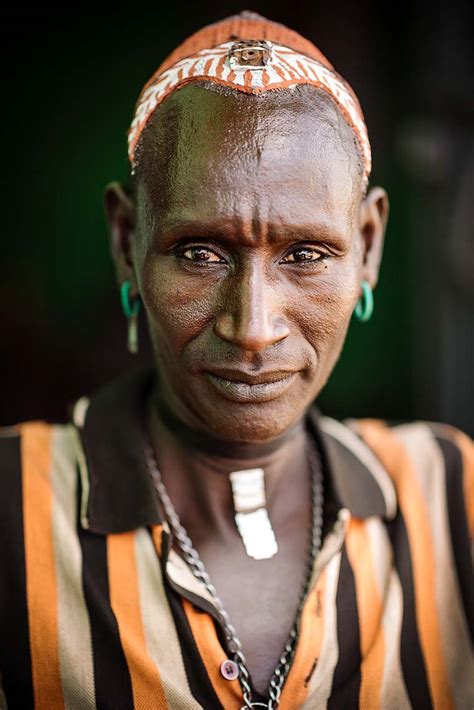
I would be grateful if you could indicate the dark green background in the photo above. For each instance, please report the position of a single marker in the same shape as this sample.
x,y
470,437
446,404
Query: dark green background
x,y
69,81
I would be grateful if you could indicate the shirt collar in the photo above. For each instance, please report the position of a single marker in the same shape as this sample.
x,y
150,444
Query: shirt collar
x,y
359,480
118,493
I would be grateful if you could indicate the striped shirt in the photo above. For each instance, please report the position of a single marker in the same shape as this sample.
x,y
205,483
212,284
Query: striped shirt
x,y
97,610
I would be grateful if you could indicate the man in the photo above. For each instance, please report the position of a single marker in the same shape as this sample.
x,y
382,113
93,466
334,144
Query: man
x,y
201,537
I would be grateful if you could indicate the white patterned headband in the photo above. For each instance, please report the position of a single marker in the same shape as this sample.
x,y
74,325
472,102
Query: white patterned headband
x,y
251,66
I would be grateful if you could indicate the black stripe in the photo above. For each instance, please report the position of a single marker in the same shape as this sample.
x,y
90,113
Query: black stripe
x,y
113,686
15,656
411,656
346,681
199,683
256,696
460,539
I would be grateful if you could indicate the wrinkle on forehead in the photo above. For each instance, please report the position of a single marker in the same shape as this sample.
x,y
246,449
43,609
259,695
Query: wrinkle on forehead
x,y
209,151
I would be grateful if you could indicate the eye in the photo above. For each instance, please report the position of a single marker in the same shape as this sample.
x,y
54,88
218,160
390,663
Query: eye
x,y
200,254
302,255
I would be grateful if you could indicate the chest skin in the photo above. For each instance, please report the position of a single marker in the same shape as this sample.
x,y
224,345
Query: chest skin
x,y
261,596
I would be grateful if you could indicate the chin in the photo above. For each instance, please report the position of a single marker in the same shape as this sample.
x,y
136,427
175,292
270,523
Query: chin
x,y
252,423
259,430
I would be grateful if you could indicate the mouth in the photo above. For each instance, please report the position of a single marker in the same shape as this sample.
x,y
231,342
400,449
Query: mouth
x,y
240,386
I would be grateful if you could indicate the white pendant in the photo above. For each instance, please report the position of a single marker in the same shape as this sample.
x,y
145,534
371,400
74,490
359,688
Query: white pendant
x,y
251,516
133,333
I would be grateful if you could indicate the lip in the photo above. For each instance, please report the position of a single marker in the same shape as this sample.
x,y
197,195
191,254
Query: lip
x,y
241,386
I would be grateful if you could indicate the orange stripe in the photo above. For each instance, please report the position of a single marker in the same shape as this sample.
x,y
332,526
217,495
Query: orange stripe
x,y
231,76
466,446
369,609
400,467
265,77
40,565
313,72
207,66
192,68
302,69
220,66
212,654
280,73
157,537
248,78
308,648
289,68
125,601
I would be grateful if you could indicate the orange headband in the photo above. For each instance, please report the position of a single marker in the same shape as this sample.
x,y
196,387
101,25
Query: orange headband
x,y
226,53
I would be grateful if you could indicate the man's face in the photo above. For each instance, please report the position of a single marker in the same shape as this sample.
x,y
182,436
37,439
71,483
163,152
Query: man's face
x,y
247,254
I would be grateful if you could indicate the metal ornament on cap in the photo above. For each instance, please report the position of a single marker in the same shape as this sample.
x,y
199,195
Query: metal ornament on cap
x,y
250,54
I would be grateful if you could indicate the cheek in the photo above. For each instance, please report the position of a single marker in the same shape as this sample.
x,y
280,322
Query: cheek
x,y
329,302
178,308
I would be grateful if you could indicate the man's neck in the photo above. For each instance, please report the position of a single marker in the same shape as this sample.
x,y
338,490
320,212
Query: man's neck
x,y
196,467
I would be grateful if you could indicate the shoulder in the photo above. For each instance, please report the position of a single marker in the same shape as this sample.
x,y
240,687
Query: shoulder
x,y
35,442
421,445
431,466
38,461
426,448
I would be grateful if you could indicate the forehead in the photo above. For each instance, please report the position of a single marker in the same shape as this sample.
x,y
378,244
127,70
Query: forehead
x,y
284,157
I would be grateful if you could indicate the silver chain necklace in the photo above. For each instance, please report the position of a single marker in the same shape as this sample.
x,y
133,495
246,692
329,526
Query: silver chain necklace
x,y
191,556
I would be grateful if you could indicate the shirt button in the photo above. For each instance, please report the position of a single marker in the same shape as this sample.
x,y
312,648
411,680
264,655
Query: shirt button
x,y
229,669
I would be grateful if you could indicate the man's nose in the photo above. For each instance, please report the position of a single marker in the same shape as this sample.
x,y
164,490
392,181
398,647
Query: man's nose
x,y
251,317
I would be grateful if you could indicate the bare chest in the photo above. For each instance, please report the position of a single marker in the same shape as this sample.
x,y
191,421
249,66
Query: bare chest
x,y
261,597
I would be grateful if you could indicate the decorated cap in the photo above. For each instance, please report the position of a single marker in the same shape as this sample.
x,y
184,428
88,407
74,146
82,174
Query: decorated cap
x,y
249,53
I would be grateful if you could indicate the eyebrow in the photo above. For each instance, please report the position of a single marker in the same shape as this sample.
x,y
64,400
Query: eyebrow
x,y
226,231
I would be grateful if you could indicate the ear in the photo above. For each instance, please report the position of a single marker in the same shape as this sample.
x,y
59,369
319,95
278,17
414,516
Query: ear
x,y
120,214
373,217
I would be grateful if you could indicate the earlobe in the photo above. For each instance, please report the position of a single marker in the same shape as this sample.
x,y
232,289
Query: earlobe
x,y
120,214
374,212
